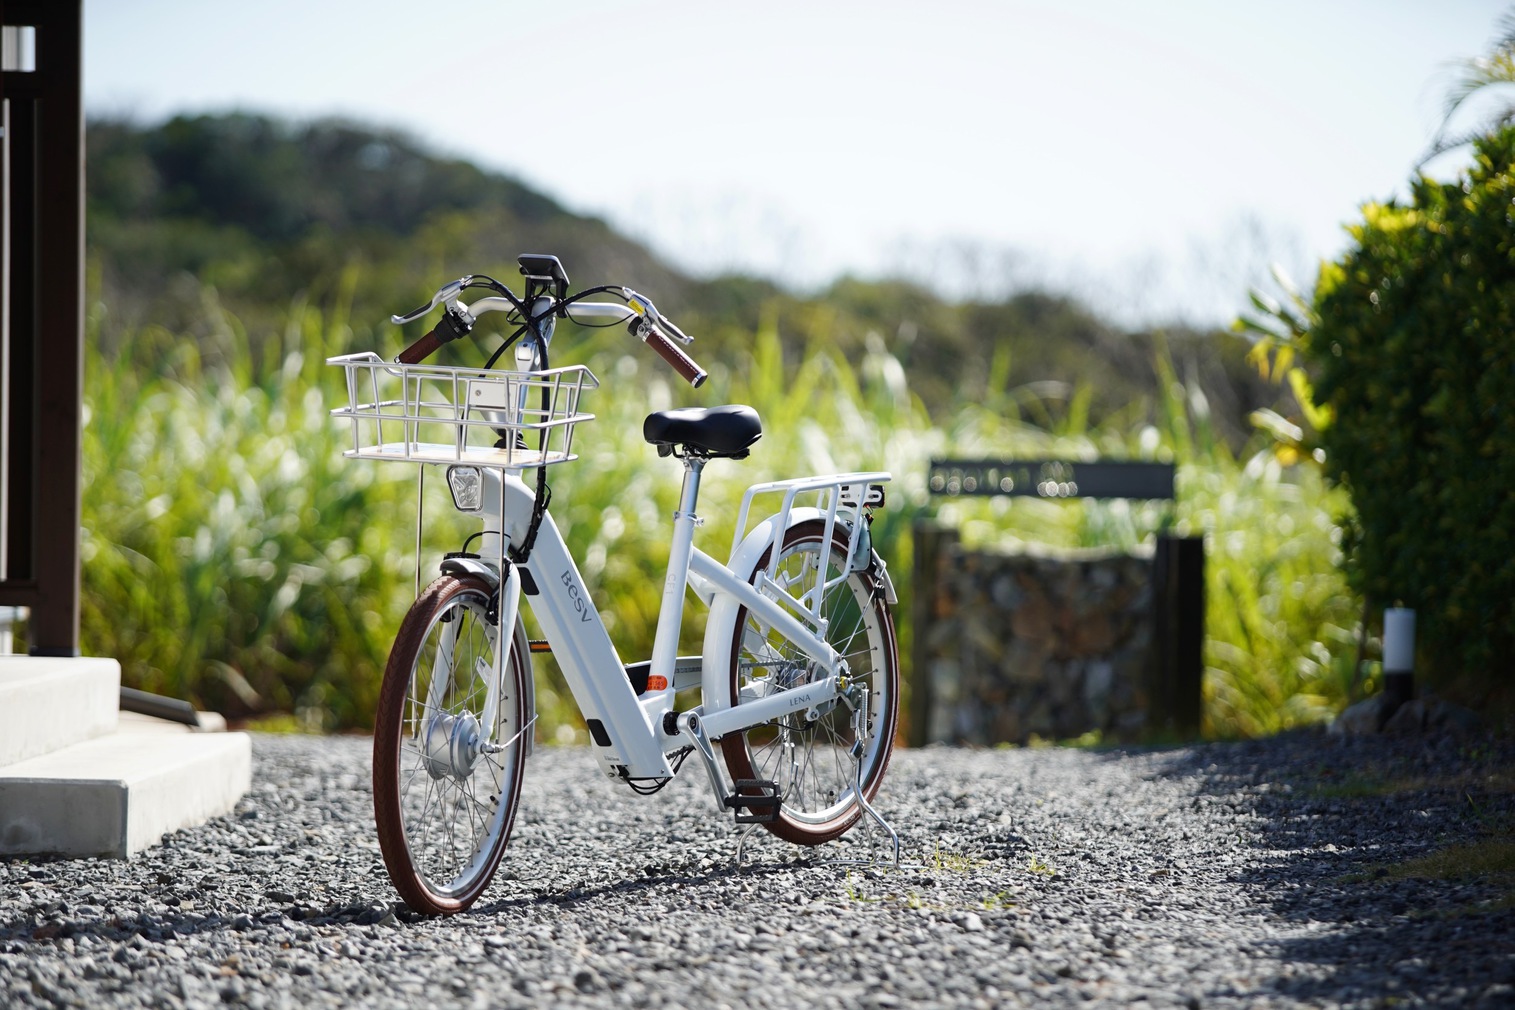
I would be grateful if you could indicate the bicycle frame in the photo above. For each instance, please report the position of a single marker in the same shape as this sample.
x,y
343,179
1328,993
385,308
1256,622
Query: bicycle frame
x,y
636,737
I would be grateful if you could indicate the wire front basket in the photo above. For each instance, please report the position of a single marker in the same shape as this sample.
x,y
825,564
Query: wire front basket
x,y
436,414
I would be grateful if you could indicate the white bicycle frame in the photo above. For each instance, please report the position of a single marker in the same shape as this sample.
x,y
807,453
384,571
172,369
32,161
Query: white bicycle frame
x,y
639,735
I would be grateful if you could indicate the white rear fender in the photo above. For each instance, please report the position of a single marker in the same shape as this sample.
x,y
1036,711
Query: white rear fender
x,y
720,627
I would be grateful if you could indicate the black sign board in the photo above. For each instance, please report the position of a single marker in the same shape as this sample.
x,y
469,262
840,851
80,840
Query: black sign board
x,y
1051,478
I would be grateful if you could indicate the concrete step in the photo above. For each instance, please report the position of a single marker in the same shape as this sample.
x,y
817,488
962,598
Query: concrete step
x,y
47,704
118,794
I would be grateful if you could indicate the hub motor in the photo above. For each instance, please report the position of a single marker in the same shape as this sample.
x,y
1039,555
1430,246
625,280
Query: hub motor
x,y
451,745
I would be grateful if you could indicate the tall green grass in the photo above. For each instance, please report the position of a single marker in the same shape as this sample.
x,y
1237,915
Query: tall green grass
x,y
227,553
234,557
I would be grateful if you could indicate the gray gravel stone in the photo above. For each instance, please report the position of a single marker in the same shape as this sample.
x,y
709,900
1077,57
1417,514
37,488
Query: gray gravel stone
x,y
1270,873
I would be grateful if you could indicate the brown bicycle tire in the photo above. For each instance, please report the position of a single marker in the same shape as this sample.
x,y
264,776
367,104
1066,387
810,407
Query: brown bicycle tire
x,y
389,815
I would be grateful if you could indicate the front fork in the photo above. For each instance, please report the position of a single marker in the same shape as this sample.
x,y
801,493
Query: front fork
x,y
506,610
507,596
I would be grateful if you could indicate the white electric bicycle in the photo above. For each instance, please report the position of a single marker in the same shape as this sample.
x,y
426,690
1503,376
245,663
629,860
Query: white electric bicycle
x,y
799,675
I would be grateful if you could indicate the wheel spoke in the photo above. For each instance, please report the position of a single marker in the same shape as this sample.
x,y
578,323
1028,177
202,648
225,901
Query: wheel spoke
x,y
802,769
476,822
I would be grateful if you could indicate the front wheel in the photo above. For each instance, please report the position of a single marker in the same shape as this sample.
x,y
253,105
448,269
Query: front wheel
x,y
812,762
446,769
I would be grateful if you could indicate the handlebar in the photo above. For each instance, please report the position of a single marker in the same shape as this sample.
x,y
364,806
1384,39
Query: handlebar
x,y
675,356
652,327
420,350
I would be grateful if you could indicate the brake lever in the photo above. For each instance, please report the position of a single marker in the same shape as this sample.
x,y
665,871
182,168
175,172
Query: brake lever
x,y
675,332
643,307
447,293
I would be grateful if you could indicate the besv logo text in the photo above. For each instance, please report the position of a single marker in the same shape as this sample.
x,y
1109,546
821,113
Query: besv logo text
x,y
579,603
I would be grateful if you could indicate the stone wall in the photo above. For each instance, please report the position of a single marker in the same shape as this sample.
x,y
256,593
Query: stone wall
x,y
1045,644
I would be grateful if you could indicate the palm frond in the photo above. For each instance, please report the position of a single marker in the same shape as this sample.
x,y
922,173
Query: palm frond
x,y
1475,77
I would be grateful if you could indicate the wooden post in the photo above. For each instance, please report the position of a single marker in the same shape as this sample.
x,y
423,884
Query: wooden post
x,y
931,541
44,278
1175,681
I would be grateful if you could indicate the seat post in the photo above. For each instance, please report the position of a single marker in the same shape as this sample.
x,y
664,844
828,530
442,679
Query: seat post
x,y
665,646
689,496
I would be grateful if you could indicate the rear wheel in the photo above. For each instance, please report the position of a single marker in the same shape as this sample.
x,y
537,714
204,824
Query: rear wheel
x,y
445,781
812,762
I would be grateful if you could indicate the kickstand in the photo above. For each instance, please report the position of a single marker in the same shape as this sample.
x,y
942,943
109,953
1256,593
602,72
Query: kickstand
x,y
876,817
859,744
741,841
859,734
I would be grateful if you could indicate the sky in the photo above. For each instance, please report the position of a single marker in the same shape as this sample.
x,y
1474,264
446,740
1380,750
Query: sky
x,y
1152,158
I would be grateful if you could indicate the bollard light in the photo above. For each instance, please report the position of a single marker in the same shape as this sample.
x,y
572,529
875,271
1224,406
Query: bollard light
x,y
1398,655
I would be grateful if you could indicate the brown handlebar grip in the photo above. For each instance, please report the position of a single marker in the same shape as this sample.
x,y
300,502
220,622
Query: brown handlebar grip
x,y
675,356
421,349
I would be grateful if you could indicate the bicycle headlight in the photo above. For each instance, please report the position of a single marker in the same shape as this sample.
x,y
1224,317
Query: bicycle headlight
x,y
467,488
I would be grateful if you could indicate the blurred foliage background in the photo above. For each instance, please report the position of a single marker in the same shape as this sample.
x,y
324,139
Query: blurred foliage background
x,y
233,557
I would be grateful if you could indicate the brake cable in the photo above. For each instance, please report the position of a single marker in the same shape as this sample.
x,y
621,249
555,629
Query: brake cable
x,y
518,555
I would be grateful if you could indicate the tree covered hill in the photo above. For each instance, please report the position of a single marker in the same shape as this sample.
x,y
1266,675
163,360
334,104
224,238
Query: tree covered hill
x,y
262,216
267,212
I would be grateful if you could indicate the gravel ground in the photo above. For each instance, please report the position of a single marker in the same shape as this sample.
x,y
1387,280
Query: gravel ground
x,y
1277,873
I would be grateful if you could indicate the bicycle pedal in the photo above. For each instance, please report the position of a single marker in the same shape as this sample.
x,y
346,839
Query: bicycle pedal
x,y
761,807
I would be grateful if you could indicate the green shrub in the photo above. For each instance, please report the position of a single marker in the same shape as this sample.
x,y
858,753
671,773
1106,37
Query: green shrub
x,y
1415,350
